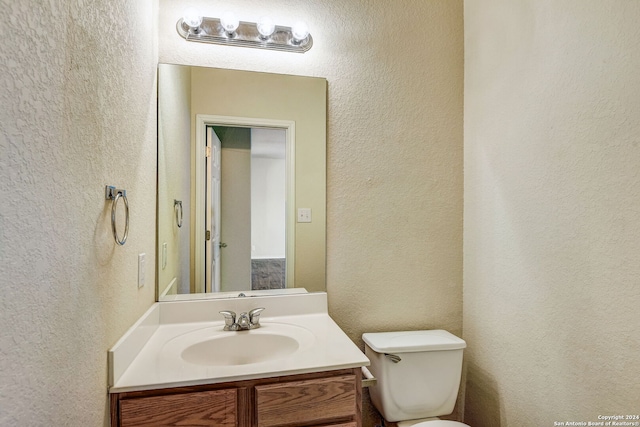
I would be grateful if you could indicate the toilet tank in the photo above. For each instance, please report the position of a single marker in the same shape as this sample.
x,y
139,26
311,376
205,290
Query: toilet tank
x,y
424,382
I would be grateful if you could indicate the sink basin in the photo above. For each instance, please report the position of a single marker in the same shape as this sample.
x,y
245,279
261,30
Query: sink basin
x,y
214,347
242,348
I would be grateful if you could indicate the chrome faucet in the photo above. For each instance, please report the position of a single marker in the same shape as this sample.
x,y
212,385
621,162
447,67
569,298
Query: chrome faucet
x,y
245,321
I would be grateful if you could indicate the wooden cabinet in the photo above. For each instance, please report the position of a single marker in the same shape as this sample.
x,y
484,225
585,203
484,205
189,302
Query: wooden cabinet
x,y
202,408
325,399
307,402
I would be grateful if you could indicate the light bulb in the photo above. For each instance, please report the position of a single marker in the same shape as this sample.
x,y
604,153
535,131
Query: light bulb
x,y
300,31
266,27
229,22
192,17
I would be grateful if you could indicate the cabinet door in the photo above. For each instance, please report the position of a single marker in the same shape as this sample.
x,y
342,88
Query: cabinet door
x,y
317,401
205,408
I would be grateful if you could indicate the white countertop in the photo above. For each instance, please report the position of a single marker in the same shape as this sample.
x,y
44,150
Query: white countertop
x,y
144,358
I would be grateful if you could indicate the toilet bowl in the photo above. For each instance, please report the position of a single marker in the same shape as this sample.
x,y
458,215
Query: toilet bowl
x,y
418,375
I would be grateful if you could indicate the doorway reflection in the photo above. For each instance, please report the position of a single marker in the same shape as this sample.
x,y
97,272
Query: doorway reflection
x,y
246,209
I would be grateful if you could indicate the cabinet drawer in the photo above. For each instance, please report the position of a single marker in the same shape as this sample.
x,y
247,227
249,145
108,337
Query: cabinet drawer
x,y
205,408
307,402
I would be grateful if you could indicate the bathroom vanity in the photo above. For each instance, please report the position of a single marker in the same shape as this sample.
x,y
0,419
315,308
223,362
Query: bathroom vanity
x,y
177,366
331,398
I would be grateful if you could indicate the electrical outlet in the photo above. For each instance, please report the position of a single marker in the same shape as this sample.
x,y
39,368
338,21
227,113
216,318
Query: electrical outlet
x,y
304,214
141,270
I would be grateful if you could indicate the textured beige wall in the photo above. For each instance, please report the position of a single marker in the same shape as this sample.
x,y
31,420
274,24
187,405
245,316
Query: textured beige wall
x,y
394,154
78,112
394,222
174,176
77,90
552,205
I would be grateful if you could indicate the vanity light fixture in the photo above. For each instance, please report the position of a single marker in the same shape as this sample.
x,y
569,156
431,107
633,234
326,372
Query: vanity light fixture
x,y
230,23
228,30
265,27
192,18
300,32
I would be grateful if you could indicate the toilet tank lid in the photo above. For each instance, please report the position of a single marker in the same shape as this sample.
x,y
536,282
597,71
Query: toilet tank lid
x,y
413,341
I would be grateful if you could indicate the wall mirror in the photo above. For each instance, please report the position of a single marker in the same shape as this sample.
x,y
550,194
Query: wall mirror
x,y
241,202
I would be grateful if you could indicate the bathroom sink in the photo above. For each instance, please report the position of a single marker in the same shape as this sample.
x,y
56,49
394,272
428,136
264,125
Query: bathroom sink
x,y
241,348
183,343
214,347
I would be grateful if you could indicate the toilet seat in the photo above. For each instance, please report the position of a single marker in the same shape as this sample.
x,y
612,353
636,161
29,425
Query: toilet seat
x,y
440,423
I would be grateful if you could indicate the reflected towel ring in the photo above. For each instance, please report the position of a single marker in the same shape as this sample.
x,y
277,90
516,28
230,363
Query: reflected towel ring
x,y
177,206
111,193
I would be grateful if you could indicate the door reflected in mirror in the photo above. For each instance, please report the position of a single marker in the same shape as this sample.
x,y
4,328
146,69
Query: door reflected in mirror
x,y
245,204
238,154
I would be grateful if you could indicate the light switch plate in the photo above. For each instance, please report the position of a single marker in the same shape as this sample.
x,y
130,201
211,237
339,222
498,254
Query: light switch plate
x,y
304,214
141,270
164,255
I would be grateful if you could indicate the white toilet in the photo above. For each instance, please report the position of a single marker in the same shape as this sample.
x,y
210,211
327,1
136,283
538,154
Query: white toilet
x,y
418,375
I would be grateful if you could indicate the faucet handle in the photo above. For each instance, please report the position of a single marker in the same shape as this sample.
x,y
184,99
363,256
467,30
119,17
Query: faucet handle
x,y
229,320
254,316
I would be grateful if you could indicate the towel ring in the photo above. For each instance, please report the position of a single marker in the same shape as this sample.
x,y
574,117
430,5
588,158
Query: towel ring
x,y
111,193
177,206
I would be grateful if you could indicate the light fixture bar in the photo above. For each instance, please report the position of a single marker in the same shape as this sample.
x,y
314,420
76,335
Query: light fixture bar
x,y
246,35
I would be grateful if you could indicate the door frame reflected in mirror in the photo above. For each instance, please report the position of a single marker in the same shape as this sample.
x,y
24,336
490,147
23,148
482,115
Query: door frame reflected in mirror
x,y
202,122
